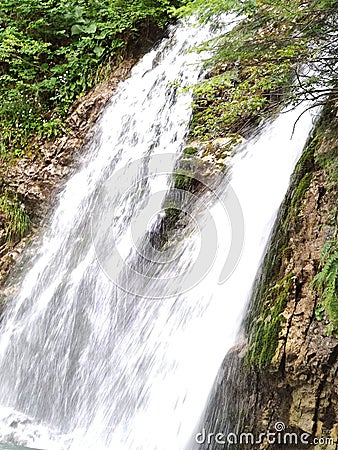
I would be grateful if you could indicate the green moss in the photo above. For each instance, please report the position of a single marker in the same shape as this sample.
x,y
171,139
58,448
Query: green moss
x,y
329,162
172,215
190,151
279,244
300,184
326,133
265,332
183,180
306,161
326,282
300,192
264,320
173,219
286,252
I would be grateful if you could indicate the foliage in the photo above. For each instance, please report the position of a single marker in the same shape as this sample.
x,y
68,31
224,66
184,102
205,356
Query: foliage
x,y
264,339
190,151
263,330
52,52
209,8
329,162
326,282
17,222
300,191
256,67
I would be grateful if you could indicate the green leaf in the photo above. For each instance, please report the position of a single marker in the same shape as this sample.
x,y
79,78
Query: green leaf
x,y
76,29
79,29
98,50
90,29
77,12
319,313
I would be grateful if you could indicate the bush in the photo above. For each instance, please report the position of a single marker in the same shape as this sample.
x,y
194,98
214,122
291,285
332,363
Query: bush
x,y
17,222
53,51
255,69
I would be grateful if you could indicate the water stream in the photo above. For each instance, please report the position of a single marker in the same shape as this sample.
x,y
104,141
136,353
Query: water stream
x,y
94,358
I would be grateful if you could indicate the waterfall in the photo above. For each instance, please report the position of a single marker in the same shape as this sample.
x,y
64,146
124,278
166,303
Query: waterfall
x,y
94,358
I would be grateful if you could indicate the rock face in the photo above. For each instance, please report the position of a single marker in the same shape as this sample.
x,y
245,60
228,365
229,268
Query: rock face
x,y
37,177
285,374
34,176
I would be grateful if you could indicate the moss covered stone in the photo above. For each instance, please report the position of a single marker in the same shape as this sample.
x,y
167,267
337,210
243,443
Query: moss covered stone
x,y
264,339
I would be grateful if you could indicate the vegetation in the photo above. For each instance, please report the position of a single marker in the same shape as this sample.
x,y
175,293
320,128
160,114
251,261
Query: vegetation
x,y
300,191
184,180
257,67
208,9
262,347
190,151
265,317
51,52
14,218
326,280
327,283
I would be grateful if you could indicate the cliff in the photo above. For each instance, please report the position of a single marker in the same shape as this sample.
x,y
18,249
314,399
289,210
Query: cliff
x,y
284,374
37,177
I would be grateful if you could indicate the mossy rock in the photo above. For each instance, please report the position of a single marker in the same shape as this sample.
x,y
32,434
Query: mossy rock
x,y
190,151
264,337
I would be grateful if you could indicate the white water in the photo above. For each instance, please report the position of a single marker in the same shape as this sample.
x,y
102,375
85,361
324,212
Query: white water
x,y
87,365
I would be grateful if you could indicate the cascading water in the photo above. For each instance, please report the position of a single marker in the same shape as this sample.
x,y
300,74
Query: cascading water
x,y
88,363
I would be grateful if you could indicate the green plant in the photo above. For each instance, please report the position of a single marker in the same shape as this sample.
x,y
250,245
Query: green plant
x,y
264,337
183,180
299,193
17,222
209,8
319,313
255,68
326,282
53,52
190,151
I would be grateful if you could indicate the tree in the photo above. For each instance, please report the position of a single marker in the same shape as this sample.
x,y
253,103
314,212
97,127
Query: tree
x,y
282,52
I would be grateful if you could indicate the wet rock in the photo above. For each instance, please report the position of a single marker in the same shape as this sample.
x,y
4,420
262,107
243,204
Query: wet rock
x,y
214,152
299,386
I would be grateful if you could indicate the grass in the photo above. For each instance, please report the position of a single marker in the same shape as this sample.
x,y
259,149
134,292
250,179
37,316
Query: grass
x,y
17,222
